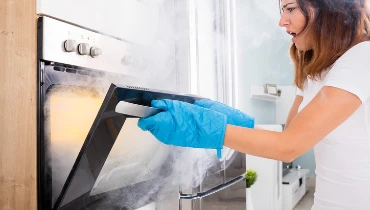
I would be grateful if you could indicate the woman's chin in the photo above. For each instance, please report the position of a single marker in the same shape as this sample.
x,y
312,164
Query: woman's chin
x,y
302,47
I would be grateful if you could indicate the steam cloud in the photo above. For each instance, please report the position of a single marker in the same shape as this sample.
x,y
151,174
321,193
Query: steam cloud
x,y
140,168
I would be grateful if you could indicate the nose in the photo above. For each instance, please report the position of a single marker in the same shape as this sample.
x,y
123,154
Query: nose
x,y
284,20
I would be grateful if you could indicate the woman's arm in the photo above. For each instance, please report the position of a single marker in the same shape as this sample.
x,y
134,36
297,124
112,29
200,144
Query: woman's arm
x,y
330,108
293,110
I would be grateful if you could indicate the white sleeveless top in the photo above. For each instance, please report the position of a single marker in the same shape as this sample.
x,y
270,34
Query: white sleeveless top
x,y
343,156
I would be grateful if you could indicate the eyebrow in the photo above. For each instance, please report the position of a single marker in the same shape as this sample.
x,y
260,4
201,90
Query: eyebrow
x,y
287,4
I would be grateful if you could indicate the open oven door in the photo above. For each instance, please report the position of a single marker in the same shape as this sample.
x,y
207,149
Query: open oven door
x,y
92,155
82,187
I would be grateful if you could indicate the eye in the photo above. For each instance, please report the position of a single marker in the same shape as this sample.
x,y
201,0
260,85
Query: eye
x,y
291,9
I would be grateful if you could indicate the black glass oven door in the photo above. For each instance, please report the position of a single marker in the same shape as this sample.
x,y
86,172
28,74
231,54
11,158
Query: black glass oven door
x,y
78,132
76,192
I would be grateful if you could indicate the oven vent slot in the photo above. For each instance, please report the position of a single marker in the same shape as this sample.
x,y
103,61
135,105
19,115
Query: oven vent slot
x,y
78,70
73,71
66,69
57,68
137,88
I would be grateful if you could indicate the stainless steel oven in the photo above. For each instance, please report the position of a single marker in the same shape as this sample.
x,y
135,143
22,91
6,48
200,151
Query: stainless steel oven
x,y
91,154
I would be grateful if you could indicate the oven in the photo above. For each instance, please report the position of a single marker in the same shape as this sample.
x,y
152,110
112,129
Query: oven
x,y
92,88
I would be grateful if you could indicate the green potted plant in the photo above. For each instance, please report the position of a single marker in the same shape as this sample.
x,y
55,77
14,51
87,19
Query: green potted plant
x,y
250,179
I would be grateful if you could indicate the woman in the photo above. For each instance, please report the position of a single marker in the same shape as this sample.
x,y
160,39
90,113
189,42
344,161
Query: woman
x,y
331,55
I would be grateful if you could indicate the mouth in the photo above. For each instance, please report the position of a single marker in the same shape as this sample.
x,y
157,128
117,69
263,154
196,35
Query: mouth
x,y
292,33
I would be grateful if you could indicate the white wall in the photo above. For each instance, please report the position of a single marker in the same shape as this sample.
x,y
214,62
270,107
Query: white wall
x,y
264,58
263,54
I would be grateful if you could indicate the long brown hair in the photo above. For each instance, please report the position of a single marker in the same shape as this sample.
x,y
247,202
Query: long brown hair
x,y
334,26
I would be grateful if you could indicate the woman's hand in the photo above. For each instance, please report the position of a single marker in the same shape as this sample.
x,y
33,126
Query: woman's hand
x,y
186,125
234,116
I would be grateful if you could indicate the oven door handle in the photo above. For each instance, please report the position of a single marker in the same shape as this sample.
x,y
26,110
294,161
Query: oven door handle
x,y
212,190
136,110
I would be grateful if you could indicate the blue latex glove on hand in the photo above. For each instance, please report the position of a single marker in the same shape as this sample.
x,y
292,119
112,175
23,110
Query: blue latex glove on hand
x,y
183,124
234,116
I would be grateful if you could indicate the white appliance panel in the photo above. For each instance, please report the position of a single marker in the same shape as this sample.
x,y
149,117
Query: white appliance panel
x,y
113,51
139,64
132,20
267,191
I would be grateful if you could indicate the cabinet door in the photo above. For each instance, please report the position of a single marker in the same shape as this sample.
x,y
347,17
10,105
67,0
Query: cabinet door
x,y
131,20
266,192
18,87
278,202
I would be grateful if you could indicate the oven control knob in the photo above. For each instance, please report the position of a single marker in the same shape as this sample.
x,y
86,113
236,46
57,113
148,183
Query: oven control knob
x,y
128,60
84,49
95,51
70,45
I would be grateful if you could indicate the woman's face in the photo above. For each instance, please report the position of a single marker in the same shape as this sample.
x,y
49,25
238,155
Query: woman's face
x,y
294,22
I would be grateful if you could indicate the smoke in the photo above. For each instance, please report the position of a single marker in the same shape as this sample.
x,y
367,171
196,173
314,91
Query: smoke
x,y
154,64
263,43
139,169
158,178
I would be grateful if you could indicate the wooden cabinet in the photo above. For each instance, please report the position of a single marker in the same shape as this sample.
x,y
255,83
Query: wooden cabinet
x,y
18,105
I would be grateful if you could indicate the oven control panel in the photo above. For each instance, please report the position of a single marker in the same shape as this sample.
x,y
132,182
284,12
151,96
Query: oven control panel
x,y
70,44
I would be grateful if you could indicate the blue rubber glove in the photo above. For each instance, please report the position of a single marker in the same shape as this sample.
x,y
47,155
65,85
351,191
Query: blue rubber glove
x,y
183,124
234,116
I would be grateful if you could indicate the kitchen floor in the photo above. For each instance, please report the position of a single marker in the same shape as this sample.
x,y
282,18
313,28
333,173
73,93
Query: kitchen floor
x,y
307,201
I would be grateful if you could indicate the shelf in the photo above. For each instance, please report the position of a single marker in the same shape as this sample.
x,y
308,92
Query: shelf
x,y
265,97
295,175
258,92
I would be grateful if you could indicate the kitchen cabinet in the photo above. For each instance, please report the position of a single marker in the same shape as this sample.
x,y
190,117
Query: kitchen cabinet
x,y
18,105
294,187
267,191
